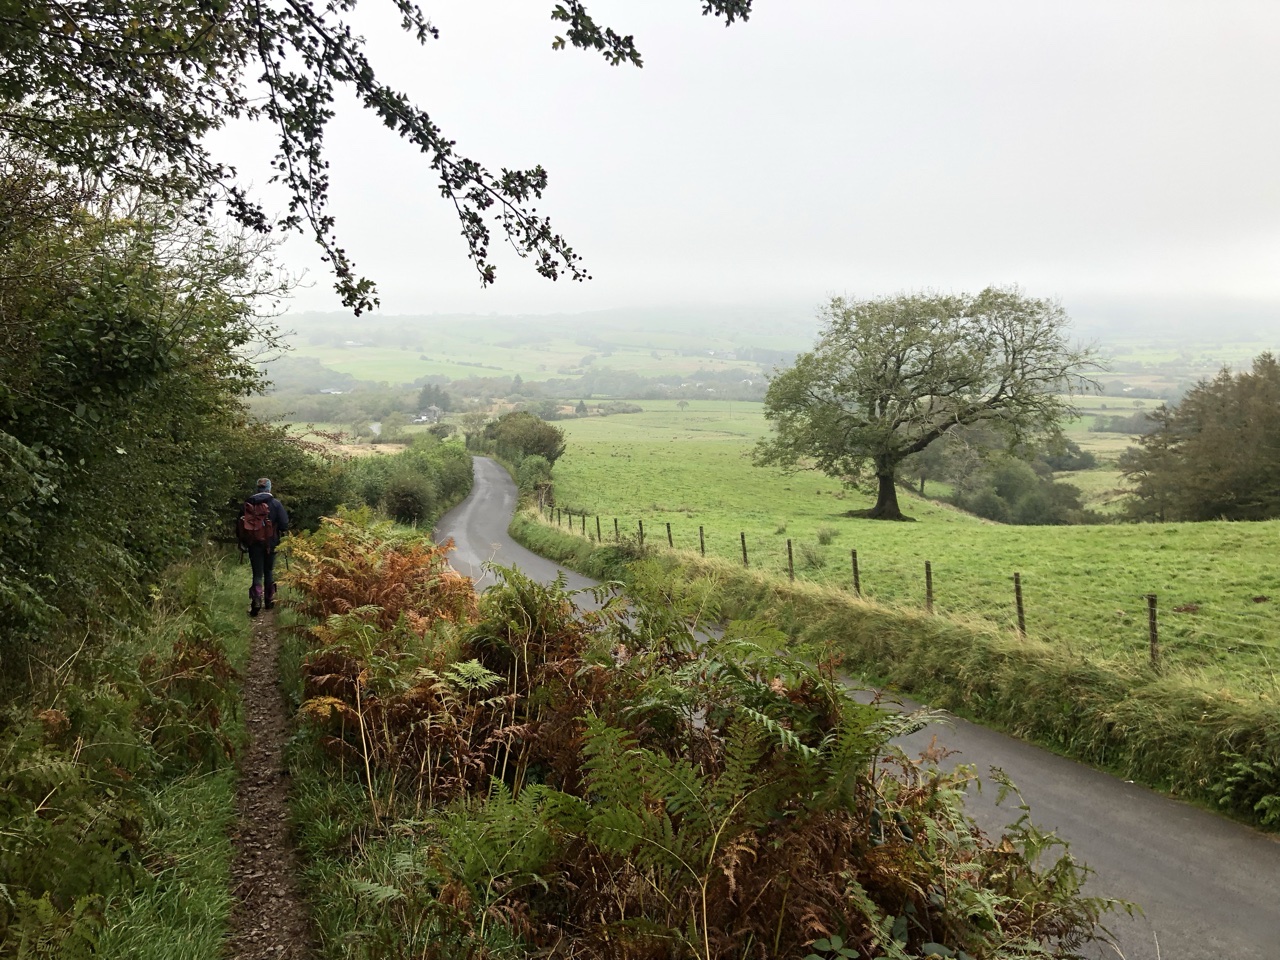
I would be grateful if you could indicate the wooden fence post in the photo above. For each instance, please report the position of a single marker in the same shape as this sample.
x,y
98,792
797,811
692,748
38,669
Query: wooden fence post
x,y
669,541
744,550
1153,631
791,563
617,537
641,524
928,586
1017,596
599,539
584,524
857,580
559,522
702,541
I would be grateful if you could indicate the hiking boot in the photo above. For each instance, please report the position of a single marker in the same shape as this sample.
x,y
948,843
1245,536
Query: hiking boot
x,y
255,601
271,597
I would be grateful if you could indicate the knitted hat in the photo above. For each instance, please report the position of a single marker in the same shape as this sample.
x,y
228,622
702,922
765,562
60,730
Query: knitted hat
x,y
264,484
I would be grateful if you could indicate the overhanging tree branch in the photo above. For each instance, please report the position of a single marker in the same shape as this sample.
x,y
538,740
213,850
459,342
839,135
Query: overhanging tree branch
x,y
129,91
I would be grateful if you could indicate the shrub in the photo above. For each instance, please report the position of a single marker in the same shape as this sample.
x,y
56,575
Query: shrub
x,y
533,475
811,557
987,503
410,497
826,535
367,479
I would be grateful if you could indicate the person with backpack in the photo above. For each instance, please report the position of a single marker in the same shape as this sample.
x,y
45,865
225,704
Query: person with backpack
x,y
263,519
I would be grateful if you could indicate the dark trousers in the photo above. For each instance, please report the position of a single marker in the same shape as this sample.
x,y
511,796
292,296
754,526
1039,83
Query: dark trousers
x,y
263,561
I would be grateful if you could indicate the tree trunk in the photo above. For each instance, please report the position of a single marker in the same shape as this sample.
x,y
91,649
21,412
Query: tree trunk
x,y
886,507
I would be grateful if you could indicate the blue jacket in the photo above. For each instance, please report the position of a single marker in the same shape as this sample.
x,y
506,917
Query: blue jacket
x,y
279,516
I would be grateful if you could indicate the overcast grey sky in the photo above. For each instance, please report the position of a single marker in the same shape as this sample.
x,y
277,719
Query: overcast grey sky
x,y
1086,150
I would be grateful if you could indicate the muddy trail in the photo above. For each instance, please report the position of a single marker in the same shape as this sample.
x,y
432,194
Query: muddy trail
x,y
269,919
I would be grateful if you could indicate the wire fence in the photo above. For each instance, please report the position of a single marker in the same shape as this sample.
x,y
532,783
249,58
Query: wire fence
x,y
1241,649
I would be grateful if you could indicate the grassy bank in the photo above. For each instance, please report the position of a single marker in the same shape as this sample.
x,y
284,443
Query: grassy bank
x,y
1167,729
1217,584
118,783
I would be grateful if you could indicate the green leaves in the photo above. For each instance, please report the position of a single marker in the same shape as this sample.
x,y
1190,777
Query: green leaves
x,y
122,375
1214,456
888,377
826,948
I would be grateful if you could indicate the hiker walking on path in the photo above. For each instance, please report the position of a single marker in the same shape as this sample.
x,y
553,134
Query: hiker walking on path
x,y
263,520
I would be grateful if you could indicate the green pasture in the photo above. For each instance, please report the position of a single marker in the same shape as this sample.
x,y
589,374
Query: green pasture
x,y
1084,587
1204,356
1101,489
539,360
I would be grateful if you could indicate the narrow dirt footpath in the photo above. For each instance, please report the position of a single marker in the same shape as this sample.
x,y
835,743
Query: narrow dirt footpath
x,y
269,919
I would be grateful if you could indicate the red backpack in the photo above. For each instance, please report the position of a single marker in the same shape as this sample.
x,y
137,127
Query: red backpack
x,y
255,524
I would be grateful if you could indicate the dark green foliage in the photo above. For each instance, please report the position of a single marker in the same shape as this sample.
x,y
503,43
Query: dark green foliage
x,y
1214,456
410,497
533,478
1134,423
434,395
514,436
415,485
122,376
1012,491
1067,455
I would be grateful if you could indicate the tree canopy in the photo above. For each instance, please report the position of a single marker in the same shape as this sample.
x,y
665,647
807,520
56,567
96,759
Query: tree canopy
x,y
520,434
890,376
129,90
1216,455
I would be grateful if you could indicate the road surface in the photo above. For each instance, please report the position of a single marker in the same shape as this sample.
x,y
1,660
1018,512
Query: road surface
x,y
1209,888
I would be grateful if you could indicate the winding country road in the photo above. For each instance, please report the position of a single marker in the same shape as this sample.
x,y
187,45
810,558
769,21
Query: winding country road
x,y
1209,888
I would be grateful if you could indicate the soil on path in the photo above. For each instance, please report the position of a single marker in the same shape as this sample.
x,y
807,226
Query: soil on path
x,y
269,919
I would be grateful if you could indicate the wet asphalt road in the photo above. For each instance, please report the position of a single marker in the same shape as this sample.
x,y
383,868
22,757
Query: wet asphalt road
x,y
1209,888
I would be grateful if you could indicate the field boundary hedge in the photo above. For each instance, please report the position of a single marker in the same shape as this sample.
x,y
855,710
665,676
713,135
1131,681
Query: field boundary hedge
x,y
1209,746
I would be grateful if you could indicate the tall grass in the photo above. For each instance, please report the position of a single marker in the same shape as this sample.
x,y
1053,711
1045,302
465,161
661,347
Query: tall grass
x,y
118,789
185,908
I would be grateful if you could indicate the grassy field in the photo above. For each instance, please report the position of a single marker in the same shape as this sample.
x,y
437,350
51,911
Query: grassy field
x,y
1101,487
1084,586
532,361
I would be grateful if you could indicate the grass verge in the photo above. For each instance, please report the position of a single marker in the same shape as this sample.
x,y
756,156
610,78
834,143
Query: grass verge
x,y
116,783
1168,730
185,909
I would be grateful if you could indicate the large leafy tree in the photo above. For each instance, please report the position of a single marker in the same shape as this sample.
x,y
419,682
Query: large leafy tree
x,y
130,89
890,376
521,434
1216,455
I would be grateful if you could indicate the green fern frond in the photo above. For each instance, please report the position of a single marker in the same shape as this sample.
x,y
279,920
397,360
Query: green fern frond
x,y
472,675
